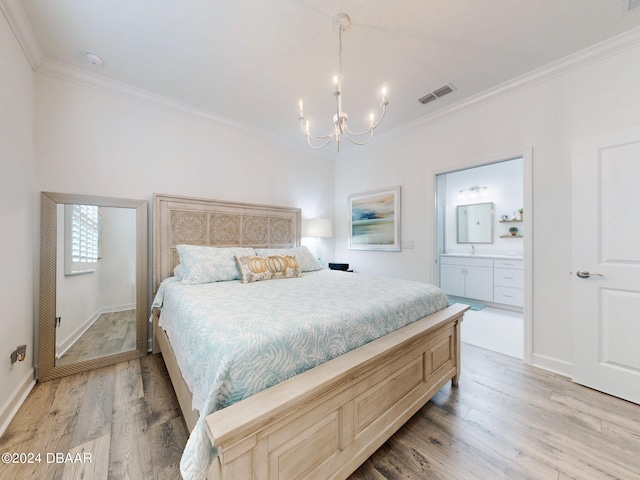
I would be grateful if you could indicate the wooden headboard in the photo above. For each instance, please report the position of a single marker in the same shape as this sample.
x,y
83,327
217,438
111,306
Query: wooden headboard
x,y
195,221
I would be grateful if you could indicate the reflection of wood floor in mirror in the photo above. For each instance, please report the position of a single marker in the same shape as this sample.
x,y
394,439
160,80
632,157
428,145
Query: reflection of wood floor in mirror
x,y
111,333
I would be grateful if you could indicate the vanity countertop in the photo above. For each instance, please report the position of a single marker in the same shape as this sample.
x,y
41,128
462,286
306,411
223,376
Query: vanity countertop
x,y
481,255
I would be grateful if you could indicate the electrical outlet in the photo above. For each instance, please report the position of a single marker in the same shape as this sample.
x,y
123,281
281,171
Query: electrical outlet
x,y
22,352
19,354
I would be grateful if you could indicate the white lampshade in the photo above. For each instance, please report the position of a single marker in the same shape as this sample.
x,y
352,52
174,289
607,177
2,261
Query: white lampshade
x,y
317,227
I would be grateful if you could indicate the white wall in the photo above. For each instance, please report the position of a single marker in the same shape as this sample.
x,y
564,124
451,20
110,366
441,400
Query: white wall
x,y
89,141
18,212
596,98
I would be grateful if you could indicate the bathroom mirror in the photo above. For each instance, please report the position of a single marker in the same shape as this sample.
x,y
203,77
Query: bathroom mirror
x,y
93,283
475,223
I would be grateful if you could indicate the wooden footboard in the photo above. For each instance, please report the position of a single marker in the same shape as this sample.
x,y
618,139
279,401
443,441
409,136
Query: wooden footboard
x,y
327,421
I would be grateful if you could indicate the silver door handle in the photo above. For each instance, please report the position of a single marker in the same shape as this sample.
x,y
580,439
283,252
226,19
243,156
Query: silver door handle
x,y
585,274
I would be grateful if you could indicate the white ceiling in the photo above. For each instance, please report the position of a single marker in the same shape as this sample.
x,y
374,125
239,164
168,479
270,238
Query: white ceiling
x,y
251,61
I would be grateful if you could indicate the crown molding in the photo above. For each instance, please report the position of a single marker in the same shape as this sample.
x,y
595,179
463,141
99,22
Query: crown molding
x,y
592,54
19,23
94,81
98,82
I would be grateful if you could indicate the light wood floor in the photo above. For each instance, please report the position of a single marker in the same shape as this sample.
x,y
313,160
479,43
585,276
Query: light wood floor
x,y
505,420
111,333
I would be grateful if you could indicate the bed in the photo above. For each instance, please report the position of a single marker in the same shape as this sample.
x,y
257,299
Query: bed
x,y
304,421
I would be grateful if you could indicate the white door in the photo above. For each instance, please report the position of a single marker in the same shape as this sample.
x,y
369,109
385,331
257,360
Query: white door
x,y
606,263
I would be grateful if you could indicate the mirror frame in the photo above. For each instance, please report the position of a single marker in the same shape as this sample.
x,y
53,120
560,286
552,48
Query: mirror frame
x,y
47,369
491,213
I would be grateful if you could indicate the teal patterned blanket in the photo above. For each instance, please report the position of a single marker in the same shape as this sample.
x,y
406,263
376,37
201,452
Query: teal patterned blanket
x,y
232,340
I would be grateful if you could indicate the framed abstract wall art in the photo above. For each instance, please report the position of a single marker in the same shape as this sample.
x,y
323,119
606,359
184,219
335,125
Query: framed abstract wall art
x,y
375,220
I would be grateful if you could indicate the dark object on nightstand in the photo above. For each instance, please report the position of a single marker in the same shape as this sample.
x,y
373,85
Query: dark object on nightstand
x,y
339,266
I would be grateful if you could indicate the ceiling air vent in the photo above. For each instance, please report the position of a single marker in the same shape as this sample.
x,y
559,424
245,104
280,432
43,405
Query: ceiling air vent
x,y
440,92
430,97
632,5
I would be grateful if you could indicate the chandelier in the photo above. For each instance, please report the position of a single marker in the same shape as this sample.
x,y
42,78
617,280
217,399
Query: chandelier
x,y
340,127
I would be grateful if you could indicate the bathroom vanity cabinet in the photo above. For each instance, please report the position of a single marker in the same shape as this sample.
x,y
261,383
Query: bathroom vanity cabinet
x,y
496,279
467,277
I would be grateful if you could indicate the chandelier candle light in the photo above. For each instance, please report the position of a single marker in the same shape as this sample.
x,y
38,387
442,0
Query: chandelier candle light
x,y
340,127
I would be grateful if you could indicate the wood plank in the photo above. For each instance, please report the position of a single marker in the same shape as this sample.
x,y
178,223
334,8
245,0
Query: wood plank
x,y
129,453
166,442
90,460
36,406
94,416
55,431
128,384
161,403
495,451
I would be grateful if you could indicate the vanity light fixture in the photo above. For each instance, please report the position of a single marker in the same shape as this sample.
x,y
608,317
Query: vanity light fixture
x,y
474,191
340,118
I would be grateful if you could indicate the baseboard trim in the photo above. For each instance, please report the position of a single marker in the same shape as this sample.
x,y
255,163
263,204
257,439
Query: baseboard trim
x,y
15,401
551,364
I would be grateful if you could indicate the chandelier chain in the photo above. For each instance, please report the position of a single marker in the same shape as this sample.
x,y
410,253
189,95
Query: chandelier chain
x,y
340,51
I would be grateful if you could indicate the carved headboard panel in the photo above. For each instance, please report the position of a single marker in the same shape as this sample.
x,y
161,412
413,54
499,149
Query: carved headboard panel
x,y
195,221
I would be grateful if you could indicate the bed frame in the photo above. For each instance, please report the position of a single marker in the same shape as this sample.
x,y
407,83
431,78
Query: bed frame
x,y
324,423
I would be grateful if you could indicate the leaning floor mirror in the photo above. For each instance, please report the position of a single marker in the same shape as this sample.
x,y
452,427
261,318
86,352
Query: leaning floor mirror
x,y
93,283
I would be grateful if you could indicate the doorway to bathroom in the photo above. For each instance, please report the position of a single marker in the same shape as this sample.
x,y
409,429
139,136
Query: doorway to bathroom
x,y
483,233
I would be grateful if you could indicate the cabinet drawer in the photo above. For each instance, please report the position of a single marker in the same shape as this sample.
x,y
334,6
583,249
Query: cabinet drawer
x,y
472,262
506,277
504,263
508,296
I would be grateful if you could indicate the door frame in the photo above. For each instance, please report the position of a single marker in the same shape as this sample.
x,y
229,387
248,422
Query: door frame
x,y
527,178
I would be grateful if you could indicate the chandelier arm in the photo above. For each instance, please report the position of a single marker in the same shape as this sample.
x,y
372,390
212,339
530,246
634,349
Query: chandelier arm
x,y
308,134
359,134
359,142
372,128
317,147
323,137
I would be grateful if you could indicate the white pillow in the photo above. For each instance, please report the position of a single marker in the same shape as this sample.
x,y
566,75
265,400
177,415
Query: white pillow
x,y
177,272
304,257
210,264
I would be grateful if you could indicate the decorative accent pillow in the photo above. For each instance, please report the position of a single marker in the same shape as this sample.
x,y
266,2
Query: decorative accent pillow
x,y
255,268
201,264
305,258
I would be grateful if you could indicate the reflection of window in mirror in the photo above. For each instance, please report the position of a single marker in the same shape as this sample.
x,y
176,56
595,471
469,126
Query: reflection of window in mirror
x,y
81,232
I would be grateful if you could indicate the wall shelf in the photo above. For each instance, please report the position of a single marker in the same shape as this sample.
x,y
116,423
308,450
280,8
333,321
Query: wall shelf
x,y
510,236
510,221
